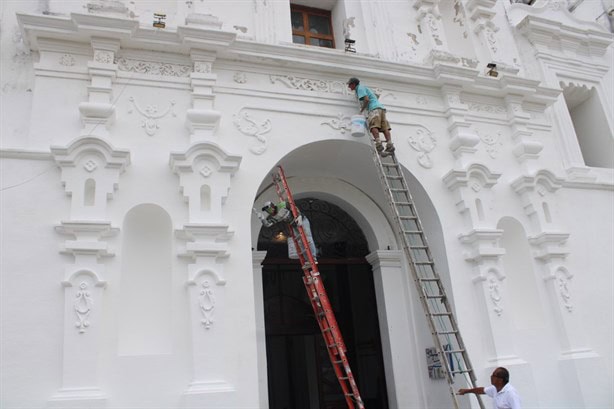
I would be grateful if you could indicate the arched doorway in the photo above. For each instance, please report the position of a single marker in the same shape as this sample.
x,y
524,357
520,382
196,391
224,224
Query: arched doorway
x,y
299,372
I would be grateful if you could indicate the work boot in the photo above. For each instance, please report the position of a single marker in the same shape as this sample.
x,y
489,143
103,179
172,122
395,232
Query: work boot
x,y
389,147
378,146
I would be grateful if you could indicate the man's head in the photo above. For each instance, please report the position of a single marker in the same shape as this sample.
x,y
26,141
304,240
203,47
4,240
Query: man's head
x,y
353,83
270,208
499,378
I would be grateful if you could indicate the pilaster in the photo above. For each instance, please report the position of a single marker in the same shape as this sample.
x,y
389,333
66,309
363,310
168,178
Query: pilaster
x,y
90,174
205,172
482,13
263,391
485,253
526,148
98,113
463,138
396,326
473,193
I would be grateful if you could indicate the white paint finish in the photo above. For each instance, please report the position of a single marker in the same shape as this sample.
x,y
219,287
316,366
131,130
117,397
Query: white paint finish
x,y
325,163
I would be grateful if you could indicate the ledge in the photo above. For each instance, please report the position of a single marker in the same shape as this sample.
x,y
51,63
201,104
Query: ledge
x,y
80,28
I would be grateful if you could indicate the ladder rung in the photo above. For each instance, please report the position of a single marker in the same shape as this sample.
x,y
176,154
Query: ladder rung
x,y
428,279
440,314
412,231
436,296
461,371
446,332
390,165
409,218
398,189
404,204
454,351
418,247
394,177
421,263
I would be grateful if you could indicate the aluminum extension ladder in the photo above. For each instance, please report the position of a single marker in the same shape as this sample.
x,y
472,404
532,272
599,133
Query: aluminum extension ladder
x,y
319,300
444,329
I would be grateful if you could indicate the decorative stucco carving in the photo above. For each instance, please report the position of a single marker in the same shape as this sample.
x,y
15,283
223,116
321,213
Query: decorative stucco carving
x,y
90,165
491,109
563,284
341,123
82,305
206,302
153,68
103,56
494,293
423,141
150,123
309,84
67,60
347,24
203,67
240,77
249,126
492,140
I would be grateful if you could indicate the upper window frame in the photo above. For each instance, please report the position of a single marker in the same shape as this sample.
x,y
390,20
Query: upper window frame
x,y
306,11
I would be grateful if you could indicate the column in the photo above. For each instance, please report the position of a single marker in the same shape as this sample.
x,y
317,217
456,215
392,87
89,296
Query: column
x,y
90,173
397,327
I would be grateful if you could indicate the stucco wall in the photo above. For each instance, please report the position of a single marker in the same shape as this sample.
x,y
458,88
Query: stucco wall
x,y
521,229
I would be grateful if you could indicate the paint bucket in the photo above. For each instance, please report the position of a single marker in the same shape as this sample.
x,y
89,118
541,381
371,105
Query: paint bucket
x,y
358,126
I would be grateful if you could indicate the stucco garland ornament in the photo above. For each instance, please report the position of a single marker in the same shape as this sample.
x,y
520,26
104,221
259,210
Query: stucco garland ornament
x,y
82,306
424,142
340,123
251,127
206,301
150,123
495,295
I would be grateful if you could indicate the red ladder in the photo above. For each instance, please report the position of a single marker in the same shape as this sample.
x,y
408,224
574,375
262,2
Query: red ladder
x,y
319,300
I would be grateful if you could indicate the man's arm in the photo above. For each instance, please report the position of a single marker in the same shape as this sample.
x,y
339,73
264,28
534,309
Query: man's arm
x,y
364,103
478,391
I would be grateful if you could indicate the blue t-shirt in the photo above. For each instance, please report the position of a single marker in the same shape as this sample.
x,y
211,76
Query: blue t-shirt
x,y
362,91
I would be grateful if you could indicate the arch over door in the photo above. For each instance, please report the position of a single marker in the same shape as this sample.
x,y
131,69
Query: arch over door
x,y
299,372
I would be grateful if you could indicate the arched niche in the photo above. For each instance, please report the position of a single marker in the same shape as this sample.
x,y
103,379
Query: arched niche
x,y
145,303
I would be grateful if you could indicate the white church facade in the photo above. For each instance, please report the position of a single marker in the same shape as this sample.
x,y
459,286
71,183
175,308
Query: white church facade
x,y
134,273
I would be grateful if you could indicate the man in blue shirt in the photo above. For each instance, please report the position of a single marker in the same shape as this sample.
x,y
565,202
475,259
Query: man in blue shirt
x,y
376,115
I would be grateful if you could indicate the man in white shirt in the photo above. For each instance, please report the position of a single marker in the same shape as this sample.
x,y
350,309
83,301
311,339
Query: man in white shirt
x,y
503,393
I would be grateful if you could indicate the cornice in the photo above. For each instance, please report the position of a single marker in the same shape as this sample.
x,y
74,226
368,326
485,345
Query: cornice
x,y
16,153
82,28
553,26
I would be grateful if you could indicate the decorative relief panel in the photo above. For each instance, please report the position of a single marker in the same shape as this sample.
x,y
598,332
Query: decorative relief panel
x,y
103,56
308,84
206,302
256,128
67,60
153,68
82,305
341,123
491,109
151,114
563,280
492,140
424,142
240,77
203,67
494,293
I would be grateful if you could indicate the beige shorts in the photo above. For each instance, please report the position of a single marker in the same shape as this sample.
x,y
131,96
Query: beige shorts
x,y
377,119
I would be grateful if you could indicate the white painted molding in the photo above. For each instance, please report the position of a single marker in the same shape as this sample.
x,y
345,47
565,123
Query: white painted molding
x,y
553,27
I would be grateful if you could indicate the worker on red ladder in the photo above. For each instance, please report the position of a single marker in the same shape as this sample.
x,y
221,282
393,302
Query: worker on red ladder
x,y
280,213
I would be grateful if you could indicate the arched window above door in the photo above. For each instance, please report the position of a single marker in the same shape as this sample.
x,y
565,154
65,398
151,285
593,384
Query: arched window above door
x,y
335,233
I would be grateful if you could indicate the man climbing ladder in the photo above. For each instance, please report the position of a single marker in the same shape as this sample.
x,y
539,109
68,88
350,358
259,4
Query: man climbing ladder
x,y
317,294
